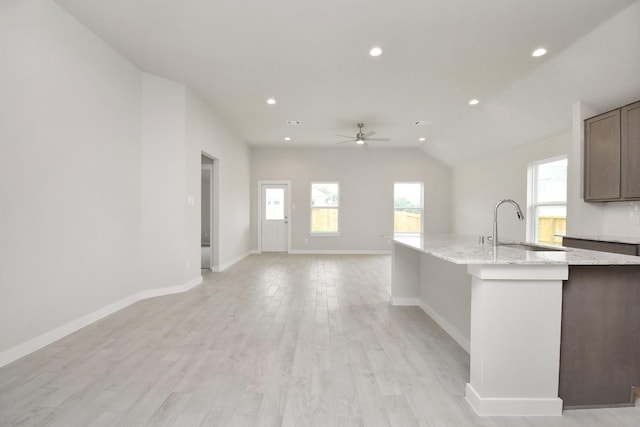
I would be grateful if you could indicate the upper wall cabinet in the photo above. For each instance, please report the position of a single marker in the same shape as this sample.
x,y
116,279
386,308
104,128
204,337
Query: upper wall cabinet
x,y
612,155
630,171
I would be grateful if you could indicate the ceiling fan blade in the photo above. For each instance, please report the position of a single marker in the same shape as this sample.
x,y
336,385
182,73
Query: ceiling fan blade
x,y
346,136
378,139
344,142
368,134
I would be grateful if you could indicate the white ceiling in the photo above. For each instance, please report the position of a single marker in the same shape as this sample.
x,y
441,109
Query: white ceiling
x,y
312,56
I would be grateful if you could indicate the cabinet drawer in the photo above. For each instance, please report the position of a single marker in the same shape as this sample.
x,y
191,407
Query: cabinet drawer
x,y
594,245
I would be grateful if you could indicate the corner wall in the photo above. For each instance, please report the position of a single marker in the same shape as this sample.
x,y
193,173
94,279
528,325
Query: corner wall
x,y
479,185
99,179
206,132
69,171
366,177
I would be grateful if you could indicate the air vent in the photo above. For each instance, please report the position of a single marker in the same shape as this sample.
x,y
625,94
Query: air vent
x,y
294,122
421,123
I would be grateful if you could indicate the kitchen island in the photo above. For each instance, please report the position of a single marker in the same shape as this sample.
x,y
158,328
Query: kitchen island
x,y
504,306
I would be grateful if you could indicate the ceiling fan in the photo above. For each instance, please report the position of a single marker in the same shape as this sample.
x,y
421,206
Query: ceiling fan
x,y
361,137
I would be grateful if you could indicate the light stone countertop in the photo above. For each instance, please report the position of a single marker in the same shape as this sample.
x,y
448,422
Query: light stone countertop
x,y
466,249
605,238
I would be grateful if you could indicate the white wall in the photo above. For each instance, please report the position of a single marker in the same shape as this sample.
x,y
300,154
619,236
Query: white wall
x,y
610,53
477,187
97,163
164,200
69,171
206,133
607,54
366,177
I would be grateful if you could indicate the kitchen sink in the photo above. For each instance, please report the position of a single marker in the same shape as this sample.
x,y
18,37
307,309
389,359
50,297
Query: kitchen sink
x,y
532,247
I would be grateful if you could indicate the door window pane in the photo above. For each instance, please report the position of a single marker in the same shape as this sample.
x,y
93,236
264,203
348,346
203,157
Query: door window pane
x,y
274,204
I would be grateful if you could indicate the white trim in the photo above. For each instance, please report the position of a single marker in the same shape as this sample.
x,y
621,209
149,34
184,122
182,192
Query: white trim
x,y
337,252
232,262
214,210
512,406
405,301
47,338
448,327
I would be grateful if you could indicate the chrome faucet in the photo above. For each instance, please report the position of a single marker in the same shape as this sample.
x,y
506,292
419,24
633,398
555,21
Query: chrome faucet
x,y
494,236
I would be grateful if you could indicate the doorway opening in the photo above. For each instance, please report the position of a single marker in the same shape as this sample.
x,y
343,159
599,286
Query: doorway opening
x,y
209,242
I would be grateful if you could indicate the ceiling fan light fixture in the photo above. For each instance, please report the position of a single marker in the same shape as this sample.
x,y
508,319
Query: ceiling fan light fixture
x,y
422,139
286,138
360,141
474,102
271,101
375,51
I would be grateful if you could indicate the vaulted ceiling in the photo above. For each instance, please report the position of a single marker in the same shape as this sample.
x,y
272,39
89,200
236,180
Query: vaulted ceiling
x,y
313,58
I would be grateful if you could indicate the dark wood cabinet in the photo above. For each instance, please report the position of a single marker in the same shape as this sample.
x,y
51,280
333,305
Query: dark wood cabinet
x,y
599,245
630,144
602,157
612,155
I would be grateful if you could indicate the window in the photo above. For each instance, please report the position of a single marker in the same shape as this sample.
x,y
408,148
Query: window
x,y
547,201
325,203
407,207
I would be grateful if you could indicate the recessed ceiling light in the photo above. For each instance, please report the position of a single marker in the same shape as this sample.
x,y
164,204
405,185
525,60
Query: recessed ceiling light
x,y
271,101
539,52
286,138
375,51
422,139
474,102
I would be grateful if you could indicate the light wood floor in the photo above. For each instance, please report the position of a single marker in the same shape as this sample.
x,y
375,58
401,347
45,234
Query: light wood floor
x,y
288,340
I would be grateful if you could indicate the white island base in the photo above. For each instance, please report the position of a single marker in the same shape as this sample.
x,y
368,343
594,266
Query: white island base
x,y
506,315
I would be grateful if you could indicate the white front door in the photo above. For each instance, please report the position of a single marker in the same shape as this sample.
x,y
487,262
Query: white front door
x,y
275,217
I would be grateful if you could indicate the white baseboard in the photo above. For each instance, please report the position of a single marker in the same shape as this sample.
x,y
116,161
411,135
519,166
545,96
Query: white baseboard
x,y
449,328
47,338
405,301
520,406
337,252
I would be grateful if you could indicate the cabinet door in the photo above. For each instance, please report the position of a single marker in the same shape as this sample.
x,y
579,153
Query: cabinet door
x,y
602,157
630,140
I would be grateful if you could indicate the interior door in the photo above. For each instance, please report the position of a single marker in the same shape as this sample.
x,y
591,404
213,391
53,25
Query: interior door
x,y
275,218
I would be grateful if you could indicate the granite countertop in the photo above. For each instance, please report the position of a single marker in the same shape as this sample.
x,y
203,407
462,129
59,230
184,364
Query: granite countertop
x,y
605,238
466,249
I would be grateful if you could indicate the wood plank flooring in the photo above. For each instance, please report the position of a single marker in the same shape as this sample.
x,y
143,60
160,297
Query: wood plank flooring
x,y
277,340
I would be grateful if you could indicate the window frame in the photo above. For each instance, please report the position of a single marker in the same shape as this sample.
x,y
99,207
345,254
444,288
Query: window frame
x,y
532,195
311,208
421,208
